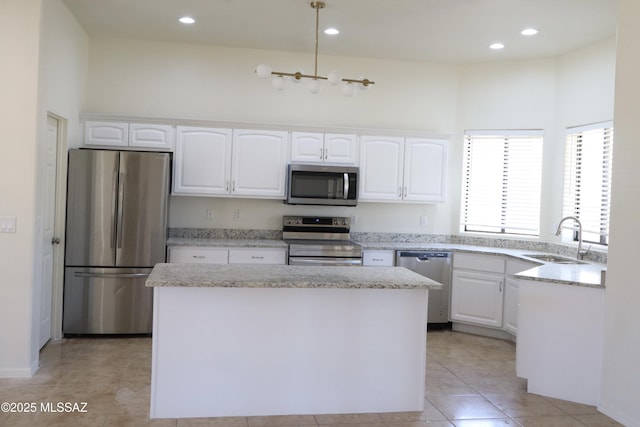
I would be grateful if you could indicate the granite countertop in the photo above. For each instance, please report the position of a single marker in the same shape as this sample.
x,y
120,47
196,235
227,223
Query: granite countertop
x,y
228,243
286,276
587,274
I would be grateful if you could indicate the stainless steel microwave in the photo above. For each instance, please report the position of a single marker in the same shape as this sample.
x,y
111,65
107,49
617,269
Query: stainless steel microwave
x,y
322,185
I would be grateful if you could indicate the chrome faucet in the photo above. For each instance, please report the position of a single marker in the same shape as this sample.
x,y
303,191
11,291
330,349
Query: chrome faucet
x,y
580,254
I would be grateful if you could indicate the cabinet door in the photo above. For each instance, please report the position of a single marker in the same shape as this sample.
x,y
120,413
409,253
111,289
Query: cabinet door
x,y
425,167
476,298
307,147
106,134
198,255
151,136
341,149
381,161
511,301
202,161
259,163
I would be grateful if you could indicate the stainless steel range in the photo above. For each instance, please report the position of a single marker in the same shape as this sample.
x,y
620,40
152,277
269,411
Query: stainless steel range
x,y
320,240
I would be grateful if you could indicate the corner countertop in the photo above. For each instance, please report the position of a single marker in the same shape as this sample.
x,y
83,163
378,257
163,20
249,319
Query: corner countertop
x,y
286,276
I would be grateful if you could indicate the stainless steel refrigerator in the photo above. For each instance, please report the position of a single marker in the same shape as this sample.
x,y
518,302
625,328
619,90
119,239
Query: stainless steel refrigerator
x,y
116,232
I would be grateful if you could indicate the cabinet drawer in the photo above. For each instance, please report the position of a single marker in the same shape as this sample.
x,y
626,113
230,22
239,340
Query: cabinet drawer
x,y
198,255
378,258
489,263
258,256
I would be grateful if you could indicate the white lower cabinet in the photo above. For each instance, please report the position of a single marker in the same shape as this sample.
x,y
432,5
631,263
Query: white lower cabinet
x,y
378,258
198,255
257,256
477,298
477,289
512,293
511,301
209,255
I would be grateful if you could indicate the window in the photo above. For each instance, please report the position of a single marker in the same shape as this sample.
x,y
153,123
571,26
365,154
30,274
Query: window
x,y
502,176
587,180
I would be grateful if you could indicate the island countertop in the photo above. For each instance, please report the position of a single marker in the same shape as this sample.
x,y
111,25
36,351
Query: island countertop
x,y
286,276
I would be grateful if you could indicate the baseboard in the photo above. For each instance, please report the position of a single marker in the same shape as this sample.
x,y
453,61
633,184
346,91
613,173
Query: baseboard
x,y
620,416
18,373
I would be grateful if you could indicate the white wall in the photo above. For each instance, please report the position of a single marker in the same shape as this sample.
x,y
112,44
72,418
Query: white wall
x,y
19,44
64,60
621,371
213,83
55,44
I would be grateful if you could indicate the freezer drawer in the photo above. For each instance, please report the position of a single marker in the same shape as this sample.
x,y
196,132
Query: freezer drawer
x,y
107,301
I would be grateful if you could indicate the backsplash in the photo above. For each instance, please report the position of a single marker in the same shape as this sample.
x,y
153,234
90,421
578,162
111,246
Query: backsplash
x,y
554,248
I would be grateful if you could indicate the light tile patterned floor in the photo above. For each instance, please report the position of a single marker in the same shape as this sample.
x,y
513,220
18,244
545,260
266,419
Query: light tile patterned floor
x,y
471,382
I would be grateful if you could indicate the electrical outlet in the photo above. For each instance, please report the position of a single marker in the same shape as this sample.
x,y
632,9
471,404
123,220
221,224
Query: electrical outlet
x,y
354,219
209,215
236,215
423,220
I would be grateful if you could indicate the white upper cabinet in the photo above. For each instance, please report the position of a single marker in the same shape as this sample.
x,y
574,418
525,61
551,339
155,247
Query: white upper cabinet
x,y
307,147
259,163
151,136
399,169
425,162
381,160
137,136
106,134
202,161
318,148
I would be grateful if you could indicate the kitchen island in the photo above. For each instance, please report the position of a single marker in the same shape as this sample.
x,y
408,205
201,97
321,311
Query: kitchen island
x,y
245,340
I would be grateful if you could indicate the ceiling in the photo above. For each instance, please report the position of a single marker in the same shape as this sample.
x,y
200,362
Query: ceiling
x,y
441,31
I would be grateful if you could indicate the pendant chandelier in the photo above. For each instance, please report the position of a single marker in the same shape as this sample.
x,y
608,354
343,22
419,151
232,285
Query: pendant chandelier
x,y
349,86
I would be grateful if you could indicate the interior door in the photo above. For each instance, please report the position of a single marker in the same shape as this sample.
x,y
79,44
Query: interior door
x,y
48,230
143,192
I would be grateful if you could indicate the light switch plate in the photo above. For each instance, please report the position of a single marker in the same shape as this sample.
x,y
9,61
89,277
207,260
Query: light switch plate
x,y
8,224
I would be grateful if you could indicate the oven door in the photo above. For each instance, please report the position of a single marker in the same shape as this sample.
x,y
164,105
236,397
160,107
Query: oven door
x,y
346,262
322,185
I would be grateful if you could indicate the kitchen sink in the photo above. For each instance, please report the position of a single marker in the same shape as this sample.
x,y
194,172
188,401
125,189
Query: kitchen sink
x,y
555,259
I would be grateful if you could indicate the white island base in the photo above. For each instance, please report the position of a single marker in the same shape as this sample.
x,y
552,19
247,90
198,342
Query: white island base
x,y
275,351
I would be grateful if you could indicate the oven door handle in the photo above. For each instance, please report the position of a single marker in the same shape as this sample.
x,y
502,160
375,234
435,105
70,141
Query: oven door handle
x,y
346,185
354,262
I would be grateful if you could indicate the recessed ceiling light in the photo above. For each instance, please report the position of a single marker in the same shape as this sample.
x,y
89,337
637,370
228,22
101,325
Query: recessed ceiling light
x,y
332,31
529,32
187,20
497,46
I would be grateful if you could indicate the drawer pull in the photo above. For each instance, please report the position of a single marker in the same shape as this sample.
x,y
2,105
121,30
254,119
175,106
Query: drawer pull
x,y
198,256
256,257
377,259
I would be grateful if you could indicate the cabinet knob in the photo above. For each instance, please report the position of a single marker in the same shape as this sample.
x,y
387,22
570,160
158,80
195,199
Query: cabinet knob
x,y
55,240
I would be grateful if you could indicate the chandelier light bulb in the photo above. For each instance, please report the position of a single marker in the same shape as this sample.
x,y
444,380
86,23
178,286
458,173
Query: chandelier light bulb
x,y
314,86
263,71
278,83
348,89
334,78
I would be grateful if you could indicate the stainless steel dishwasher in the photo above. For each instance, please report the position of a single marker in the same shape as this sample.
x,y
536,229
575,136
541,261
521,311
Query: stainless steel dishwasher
x,y
436,266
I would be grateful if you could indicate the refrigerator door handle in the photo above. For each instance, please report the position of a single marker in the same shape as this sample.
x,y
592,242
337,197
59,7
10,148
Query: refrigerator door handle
x,y
112,275
114,216
120,209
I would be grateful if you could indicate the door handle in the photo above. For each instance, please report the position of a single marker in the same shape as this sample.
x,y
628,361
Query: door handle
x,y
112,275
55,240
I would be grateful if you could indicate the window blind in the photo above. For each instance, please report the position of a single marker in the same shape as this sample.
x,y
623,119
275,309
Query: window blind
x,y
502,179
587,182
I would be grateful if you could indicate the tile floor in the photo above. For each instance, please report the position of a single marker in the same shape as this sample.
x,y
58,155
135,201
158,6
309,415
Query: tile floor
x,y
470,382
